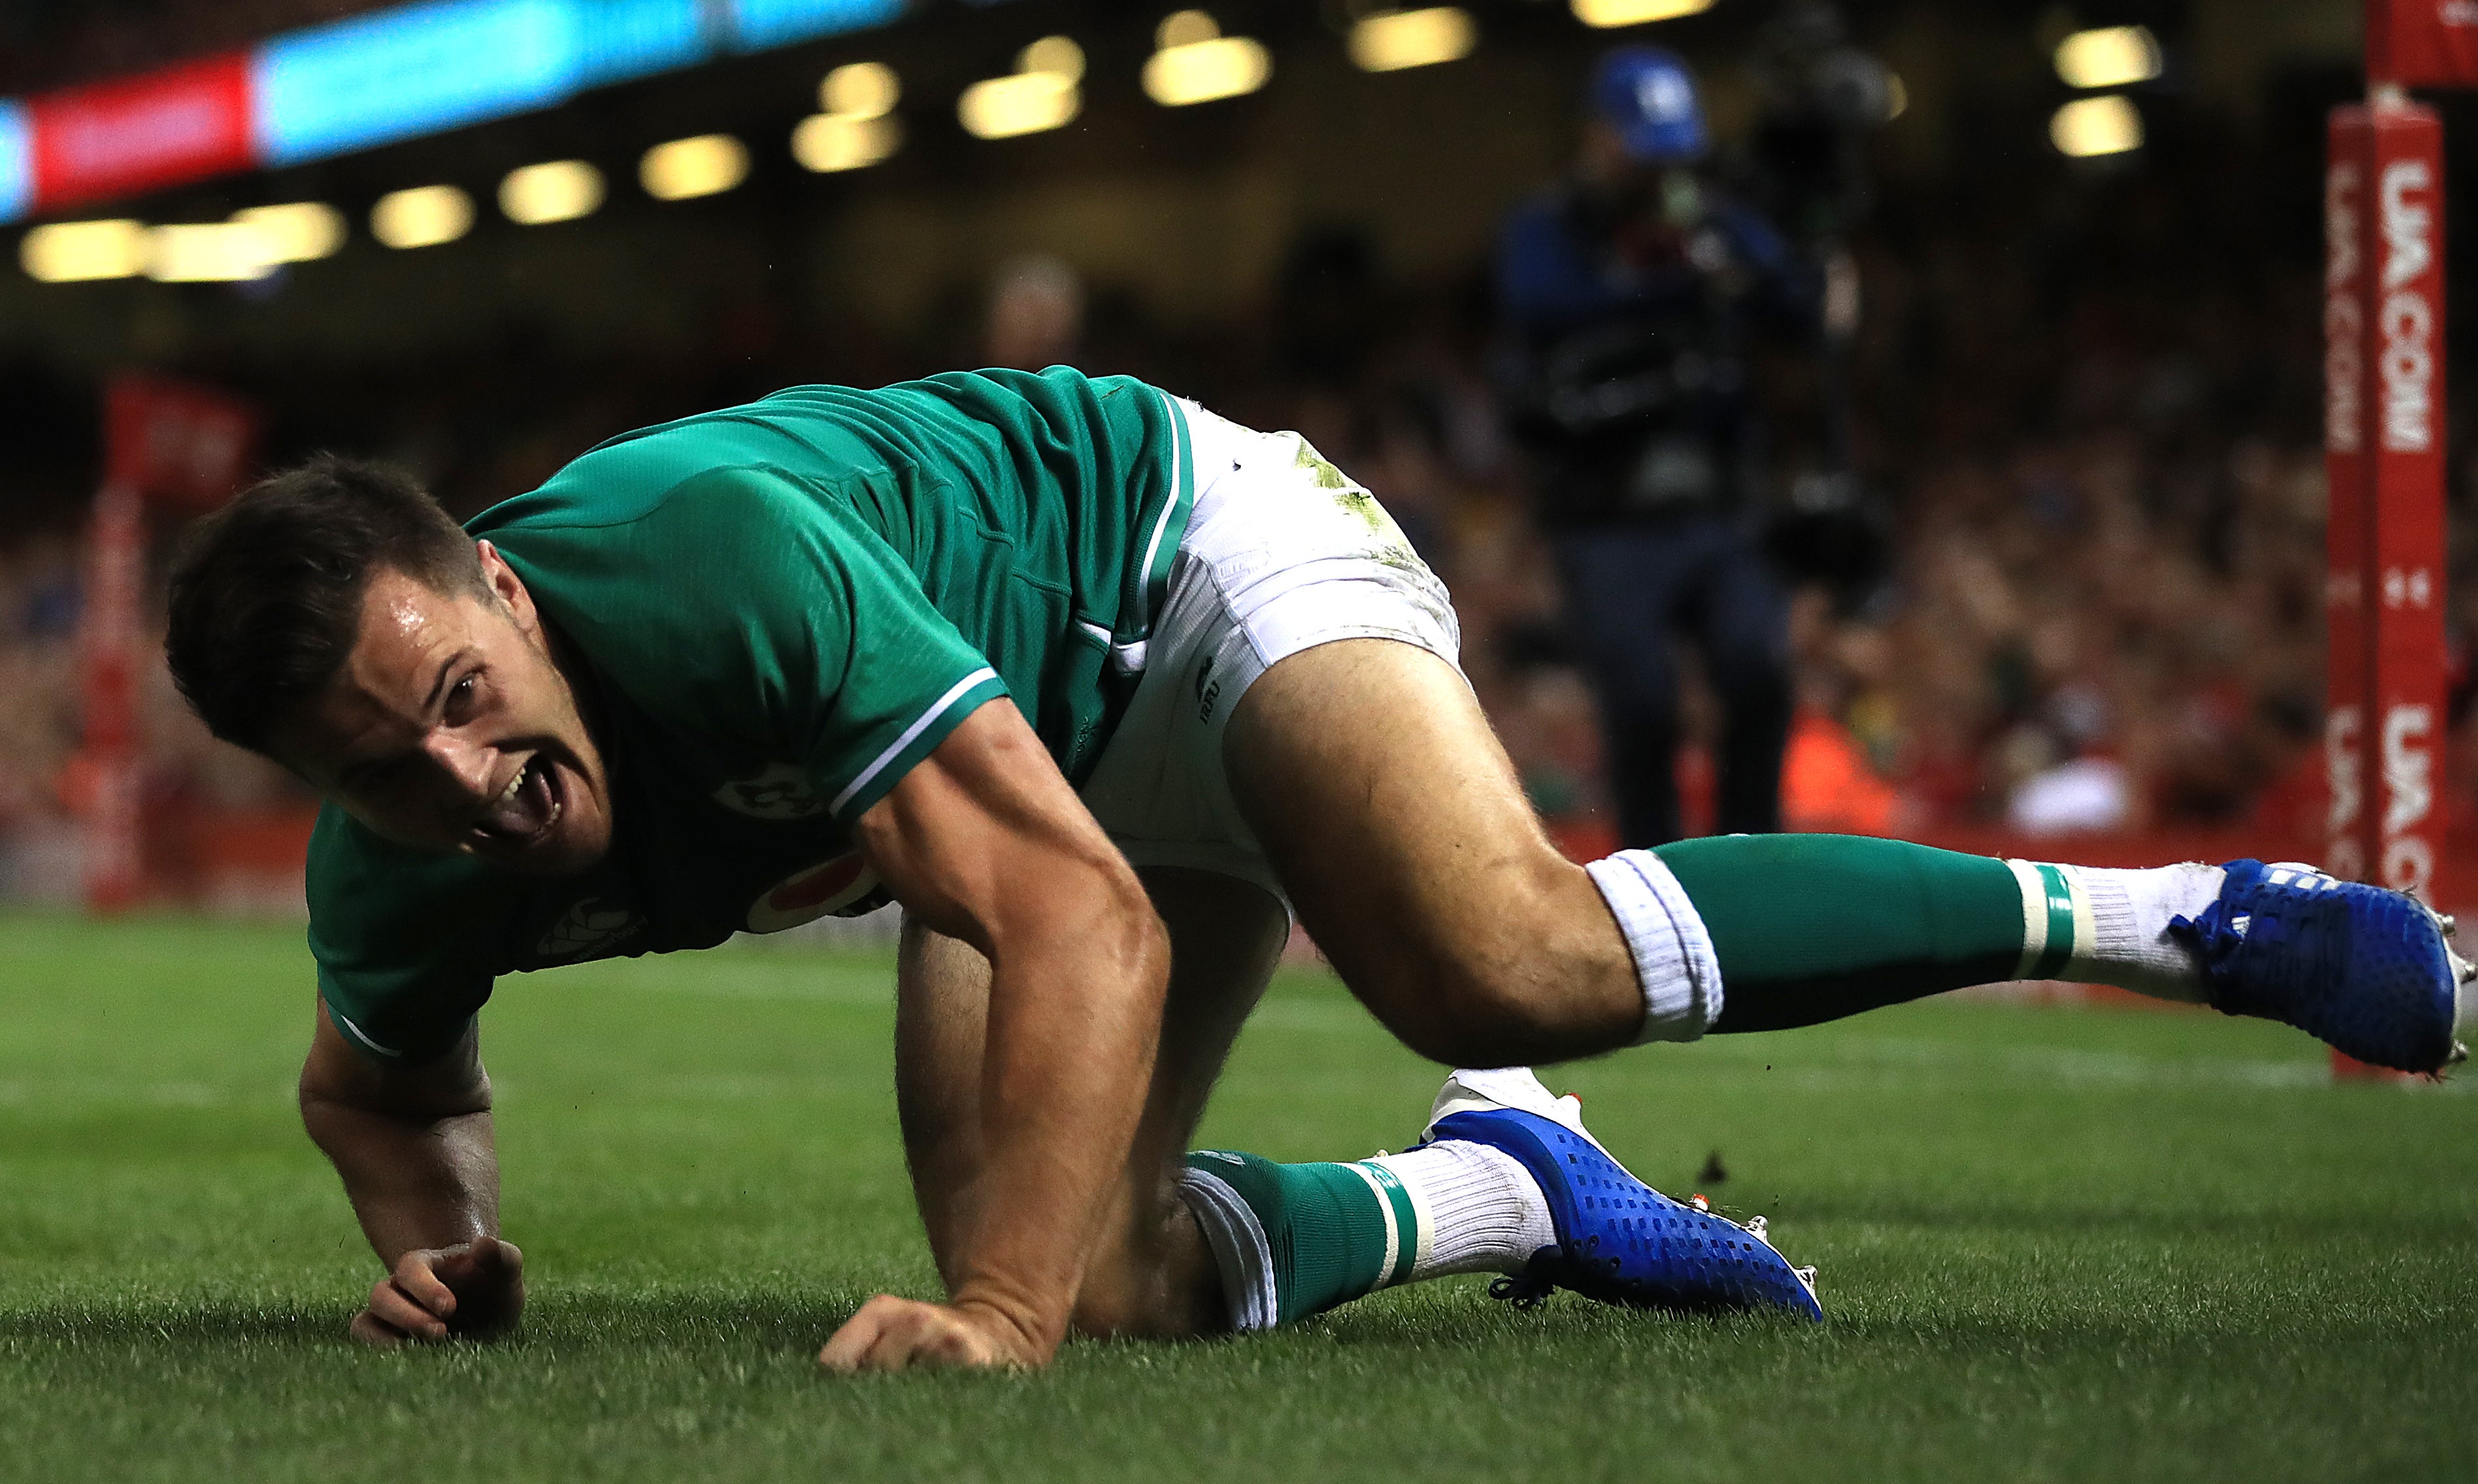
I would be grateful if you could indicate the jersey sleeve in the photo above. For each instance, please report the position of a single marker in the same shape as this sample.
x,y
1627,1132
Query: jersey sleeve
x,y
749,606
403,941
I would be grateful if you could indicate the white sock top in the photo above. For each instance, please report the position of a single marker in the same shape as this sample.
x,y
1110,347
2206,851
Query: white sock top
x,y
1673,955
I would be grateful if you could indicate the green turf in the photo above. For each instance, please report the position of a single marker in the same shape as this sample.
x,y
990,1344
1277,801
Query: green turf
x,y
2056,1244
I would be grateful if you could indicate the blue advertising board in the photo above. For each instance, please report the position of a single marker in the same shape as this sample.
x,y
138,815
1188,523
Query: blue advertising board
x,y
16,162
427,68
421,69
760,24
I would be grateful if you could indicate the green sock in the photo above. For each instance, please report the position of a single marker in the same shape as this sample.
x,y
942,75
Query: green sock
x,y
1814,927
1310,1235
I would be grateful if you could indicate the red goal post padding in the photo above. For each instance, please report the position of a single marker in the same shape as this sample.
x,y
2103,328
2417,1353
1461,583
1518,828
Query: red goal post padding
x,y
2384,443
174,445
2422,43
2384,433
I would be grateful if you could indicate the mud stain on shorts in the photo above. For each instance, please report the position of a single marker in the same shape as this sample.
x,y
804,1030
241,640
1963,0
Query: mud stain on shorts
x,y
1395,549
1320,469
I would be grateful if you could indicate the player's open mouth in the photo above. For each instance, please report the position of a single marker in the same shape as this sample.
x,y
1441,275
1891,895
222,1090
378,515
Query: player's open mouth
x,y
524,811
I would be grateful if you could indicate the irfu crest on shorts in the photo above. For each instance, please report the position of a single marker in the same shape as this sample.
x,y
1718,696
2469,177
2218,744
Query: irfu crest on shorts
x,y
782,792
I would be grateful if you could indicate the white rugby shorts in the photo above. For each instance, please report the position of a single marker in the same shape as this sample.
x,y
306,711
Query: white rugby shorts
x,y
1282,553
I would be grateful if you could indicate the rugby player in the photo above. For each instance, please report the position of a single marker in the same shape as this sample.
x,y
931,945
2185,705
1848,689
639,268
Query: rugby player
x,y
1102,689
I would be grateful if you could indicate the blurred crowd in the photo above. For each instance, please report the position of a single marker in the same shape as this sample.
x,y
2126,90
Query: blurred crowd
x,y
2096,444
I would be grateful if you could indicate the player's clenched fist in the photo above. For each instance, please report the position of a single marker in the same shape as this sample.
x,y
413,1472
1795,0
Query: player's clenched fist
x,y
895,1334
473,1289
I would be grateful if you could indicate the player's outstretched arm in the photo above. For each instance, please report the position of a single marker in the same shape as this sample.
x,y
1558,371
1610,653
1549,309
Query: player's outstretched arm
x,y
413,1148
985,841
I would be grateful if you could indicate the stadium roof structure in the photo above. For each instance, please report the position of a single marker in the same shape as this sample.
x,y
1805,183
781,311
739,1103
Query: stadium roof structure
x,y
371,79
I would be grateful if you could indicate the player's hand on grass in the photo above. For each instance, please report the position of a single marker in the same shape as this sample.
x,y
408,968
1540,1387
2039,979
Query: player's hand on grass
x,y
474,1289
896,1334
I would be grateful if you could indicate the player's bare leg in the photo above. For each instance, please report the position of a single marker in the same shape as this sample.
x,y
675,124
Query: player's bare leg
x,y
1152,1274
1390,812
1392,815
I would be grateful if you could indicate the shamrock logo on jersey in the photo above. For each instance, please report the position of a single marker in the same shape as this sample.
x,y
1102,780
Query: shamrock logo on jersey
x,y
589,926
782,792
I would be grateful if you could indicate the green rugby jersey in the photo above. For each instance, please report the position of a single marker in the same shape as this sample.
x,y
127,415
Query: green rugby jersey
x,y
782,608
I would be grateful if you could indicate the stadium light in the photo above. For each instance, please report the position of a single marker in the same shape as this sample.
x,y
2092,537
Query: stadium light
x,y
297,231
1195,62
1054,56
1041,93
1607,13
860,89
684,169
827,142
1897,96
1390,40
856,129
75,252
211,252
2096,126
558,191
424,217
2111,57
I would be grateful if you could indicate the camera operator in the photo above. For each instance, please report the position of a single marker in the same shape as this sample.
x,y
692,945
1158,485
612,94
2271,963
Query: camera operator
x,y
1630,294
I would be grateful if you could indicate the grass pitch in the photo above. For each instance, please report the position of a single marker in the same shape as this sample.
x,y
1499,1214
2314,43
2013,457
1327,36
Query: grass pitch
x,y
2056,1244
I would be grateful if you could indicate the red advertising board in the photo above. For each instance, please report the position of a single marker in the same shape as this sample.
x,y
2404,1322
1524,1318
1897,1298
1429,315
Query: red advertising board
x,y
120,137
2422,43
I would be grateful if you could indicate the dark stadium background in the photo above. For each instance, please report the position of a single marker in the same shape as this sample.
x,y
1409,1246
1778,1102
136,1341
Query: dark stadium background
x,y
2088,388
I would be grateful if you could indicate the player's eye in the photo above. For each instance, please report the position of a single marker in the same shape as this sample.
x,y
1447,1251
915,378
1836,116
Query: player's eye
x,y
463,697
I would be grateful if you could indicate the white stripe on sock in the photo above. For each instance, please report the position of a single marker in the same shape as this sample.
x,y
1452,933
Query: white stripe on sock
x,y
1392,1228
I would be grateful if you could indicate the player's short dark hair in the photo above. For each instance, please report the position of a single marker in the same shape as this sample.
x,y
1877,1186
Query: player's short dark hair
x,y
266,592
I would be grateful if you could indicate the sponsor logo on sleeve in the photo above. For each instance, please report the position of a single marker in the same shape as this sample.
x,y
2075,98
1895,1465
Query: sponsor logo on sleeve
x,y
782,793
844,886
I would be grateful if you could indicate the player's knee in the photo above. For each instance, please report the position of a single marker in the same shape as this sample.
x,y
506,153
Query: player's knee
x,y
1471,1020
1532,981
1498,1015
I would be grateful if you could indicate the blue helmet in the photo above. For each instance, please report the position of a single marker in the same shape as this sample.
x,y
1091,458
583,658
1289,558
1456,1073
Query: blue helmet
x,y
1648,96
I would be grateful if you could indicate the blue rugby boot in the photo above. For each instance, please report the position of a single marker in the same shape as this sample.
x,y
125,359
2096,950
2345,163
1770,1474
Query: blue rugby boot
x,y
1619,1240
2369,971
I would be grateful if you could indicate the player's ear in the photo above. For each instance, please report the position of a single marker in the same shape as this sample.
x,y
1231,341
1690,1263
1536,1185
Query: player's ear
x,y
507,587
